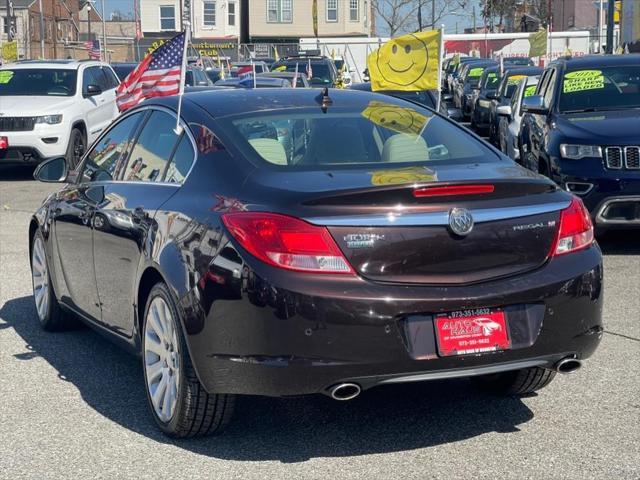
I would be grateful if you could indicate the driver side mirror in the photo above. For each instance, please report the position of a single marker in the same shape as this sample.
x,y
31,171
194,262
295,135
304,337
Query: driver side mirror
x,y
54,170
447,97
492,95
504,110
534,104
92,91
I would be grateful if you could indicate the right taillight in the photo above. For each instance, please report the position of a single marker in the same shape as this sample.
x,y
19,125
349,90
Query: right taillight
x,y
576,229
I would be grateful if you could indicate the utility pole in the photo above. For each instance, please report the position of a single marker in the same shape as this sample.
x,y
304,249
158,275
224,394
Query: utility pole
x,y
474,19
104,34
433,14
41,29
89,19
611,8
420,16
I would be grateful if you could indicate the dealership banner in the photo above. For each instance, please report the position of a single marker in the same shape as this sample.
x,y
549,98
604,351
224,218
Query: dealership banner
x,y
226,48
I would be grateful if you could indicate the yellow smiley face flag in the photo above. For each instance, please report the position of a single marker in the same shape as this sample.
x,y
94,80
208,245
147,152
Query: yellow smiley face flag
x,y
408,63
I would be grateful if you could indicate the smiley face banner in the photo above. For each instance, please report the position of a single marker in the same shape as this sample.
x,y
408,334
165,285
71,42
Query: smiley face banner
x,y
408,63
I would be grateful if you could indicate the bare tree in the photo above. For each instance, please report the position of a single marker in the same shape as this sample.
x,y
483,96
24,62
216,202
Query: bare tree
x,y
402,15
395,14
500,9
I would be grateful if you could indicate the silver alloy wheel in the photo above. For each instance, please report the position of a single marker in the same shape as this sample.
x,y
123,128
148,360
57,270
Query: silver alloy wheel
x,y
161,359
40,278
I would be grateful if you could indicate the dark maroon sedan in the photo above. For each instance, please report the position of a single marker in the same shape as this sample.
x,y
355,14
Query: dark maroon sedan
x,y
299,242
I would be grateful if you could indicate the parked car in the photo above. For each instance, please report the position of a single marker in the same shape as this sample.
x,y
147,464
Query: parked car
x,y
453,75
54,108
307,242
511,117
260,82
582,130
123,69
323,69
508,84
259,66
518,61
301,78
469,79
196,77
481,100
426,98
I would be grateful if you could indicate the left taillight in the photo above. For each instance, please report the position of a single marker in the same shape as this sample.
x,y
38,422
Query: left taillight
x,y
576,229
287,242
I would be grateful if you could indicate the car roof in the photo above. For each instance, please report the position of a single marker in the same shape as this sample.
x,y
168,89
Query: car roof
x,y
52,64
234,101
593,61
508,70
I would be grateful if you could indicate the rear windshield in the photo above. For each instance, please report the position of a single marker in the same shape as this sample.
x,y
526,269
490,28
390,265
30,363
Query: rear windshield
x,y
38,82
381,134
601,89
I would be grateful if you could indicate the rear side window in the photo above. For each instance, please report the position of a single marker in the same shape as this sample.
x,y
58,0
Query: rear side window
x,y
380,134
181,162
154,148
105,161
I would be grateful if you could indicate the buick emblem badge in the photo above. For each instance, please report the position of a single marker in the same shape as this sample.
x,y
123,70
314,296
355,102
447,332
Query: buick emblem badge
x,y
460,221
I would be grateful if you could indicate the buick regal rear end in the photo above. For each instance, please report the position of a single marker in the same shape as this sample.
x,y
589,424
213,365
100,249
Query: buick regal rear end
x,y
377,243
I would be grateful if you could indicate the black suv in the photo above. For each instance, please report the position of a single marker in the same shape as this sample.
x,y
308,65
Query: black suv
x,y
582,129
323,69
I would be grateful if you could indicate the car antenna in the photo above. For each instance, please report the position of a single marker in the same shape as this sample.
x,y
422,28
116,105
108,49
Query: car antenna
x,y
324,100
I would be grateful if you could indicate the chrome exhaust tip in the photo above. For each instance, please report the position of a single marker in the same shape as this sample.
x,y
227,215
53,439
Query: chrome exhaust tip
x,y
568,365
345,391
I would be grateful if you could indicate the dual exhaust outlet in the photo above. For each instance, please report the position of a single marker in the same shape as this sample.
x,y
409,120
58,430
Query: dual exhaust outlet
x,y
348,391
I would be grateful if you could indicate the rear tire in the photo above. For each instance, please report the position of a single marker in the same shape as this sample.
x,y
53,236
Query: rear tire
x,y
188,410
52,317
516,382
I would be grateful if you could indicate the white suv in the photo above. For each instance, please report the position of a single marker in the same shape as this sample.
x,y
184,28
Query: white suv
x,y
53,108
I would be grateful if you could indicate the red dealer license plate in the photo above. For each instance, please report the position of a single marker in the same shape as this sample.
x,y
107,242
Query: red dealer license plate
x,y
472,331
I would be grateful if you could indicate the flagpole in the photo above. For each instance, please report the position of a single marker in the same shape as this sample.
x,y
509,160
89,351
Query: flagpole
x,y
183,70
440,53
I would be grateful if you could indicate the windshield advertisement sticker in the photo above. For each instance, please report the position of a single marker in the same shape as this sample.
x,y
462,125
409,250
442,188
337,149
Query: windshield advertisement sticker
x,y
476,72
5,76
530,90
582,80
515,79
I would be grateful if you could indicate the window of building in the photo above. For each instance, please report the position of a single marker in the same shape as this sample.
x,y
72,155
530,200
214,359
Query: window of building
x,y
231,10
181,162
354,10
167,17
209,13
332,10
279,11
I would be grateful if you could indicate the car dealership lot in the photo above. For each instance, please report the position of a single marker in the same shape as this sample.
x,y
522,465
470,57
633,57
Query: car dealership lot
x,y
74,405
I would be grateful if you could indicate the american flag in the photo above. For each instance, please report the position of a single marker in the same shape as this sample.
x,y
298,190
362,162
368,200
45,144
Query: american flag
x,y
158,75
93,47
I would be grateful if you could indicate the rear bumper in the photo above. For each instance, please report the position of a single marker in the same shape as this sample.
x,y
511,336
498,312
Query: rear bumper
x,y
291,335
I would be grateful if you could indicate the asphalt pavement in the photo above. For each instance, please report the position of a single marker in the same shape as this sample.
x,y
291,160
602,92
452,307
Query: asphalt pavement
x,y
72,405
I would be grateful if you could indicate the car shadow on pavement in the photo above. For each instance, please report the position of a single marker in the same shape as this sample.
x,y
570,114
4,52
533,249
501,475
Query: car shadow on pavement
x,y
381,420
19,173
